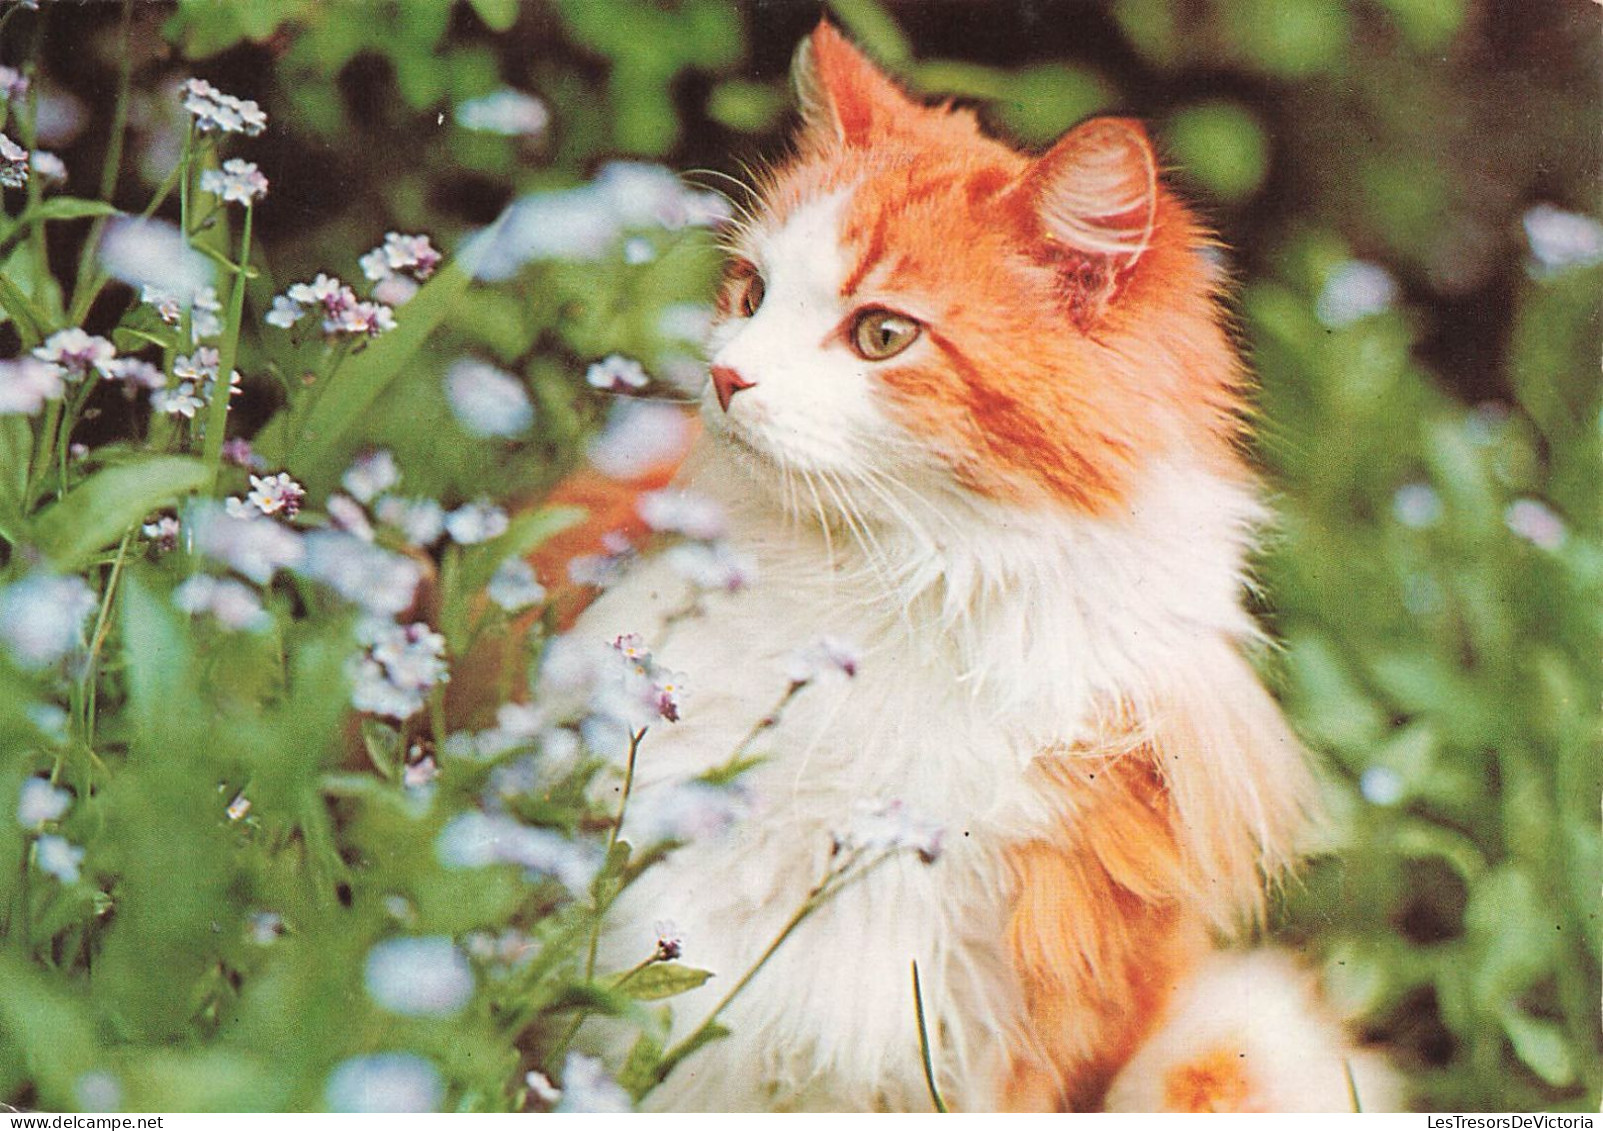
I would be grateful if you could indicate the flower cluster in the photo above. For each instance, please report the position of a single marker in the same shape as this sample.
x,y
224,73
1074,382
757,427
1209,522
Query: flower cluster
x,y
26,383
616,374
42,618
343,312
13,84
238,181
890,826
13,163
508,112
216,112
398,668
230,603
477,840
269,495
75,354
197,378
486,401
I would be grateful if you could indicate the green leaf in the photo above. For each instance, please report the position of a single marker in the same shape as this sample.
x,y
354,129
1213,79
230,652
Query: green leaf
x,y
160,661
67,208
316,446
664,980
1541,1046
32,323
639,1073
99,510
16,446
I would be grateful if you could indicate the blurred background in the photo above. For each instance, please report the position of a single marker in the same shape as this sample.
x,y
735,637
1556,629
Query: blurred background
x,y
1408,192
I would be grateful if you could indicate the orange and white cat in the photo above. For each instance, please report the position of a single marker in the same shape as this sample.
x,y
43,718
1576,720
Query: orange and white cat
x,y
978,412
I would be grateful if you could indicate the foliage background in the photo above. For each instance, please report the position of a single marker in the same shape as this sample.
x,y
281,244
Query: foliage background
x,y
1447,667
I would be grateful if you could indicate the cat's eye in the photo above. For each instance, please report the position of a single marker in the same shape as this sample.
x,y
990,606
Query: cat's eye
x,y
750,295
881,334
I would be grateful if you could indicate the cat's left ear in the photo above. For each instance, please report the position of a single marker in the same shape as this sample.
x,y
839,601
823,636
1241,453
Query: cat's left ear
x,y
841,92
1095,193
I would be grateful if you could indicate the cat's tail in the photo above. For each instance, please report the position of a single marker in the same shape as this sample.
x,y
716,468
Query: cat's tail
x,y
1249,1032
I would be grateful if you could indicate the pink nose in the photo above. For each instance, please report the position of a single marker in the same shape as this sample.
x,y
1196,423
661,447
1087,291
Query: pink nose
x,y
726,383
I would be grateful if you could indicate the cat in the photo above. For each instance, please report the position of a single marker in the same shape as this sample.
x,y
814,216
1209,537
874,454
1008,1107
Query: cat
x,y
978,412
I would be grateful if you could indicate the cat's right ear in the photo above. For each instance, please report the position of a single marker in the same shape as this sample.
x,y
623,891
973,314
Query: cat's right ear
x,y
843,95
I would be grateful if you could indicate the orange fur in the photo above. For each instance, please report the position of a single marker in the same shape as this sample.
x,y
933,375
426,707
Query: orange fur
x,y
1215,1081
992,249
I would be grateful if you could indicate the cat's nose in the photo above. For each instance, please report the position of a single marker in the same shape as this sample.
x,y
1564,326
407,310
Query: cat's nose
x,y
726,383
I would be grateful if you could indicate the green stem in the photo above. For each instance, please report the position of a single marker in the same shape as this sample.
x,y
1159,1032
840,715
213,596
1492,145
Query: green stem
x,y
98,639
924,1044
222,387
109,171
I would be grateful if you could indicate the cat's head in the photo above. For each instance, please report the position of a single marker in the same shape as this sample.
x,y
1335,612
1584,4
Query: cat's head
x,y
915,305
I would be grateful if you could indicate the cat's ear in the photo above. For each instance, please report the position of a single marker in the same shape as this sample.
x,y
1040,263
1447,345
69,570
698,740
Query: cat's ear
x,y
1096,190
841,93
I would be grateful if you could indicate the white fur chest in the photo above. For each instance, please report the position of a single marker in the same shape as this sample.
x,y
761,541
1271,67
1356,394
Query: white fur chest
x,y
946,713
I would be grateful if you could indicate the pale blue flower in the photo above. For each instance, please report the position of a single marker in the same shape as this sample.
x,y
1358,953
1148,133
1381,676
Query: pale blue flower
x,y
586,1087
371,475
639,435
1417,505
487,401
152,253
477,522
216,112
234,606
420,521
387,1082
26,383
508,112
419,977
514,586
477,840
1381,785
1354,291
42,618
1537,523
1562,240
381,582
255,547
98,1091
58,857
77,354
40,802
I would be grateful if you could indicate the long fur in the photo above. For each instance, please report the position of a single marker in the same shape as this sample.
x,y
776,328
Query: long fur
x,y
1033,523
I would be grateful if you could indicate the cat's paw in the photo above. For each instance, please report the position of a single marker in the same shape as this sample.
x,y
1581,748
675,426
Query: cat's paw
x,y
1250,1033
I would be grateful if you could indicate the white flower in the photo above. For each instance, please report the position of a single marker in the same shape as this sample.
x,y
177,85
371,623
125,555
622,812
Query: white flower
x,y
238,181
285,313
233,605
138,373
13,84
586,1087
472,523
48,166
824,655
514,586
508,112
677,511
1563,240
238,808
670,940
76,354
179,401
152,253
639,435
216,112
371,475
163,533
325,291
252,547
274,494
13,163
889,826
616,373
398,668
487,401
712,566
682,812
26,383
1354,291
686,321
264,927
477,840
383,583
420,521
419,977
1380,785
169,307
638,250
412,255
345,513
97,1091
40,802
1536,522
387,1082
541,1088
1417,505
42,617
57,857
